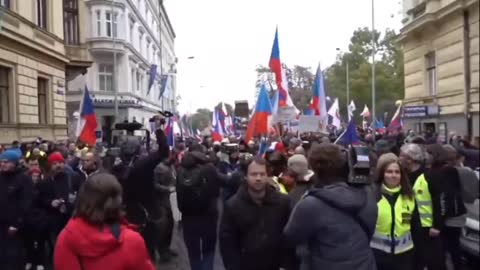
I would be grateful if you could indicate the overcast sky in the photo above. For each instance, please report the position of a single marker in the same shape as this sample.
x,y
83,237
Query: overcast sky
x,y
229,38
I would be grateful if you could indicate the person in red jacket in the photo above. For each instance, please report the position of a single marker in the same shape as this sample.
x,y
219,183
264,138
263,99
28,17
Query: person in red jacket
x,y
97,238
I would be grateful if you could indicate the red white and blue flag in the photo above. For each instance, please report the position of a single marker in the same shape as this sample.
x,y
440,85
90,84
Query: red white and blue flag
x,y
397,123
276,67
87,123
260,121
217,132
318,99
169,131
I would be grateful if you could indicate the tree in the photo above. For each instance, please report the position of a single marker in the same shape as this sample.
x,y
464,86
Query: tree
x,y
201,119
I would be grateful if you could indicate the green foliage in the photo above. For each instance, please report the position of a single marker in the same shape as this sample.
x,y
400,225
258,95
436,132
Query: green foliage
x,y
201,119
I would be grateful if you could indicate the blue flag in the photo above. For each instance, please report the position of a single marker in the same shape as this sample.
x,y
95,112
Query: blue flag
x,y
164,85
153,76
349,136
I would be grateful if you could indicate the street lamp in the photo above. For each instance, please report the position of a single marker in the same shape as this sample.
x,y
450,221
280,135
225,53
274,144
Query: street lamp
x,y
346,75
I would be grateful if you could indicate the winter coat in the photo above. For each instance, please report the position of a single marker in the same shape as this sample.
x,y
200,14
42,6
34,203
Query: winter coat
x,y
251,234
16,194
84,246
336,222
198,163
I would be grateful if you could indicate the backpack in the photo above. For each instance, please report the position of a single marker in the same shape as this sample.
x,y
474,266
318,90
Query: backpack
x,y
193,196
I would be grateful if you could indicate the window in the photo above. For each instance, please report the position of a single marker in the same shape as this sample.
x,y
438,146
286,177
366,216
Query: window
x,y
140,45
132,78
99,23
5,3
140,88
137,79
111,24
105,77
131,33
42,90
4,95
70,18
148,51
42,13
431,73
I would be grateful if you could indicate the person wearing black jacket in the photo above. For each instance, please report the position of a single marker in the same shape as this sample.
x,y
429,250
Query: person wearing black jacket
x,y
137,179
198,190
15,200
447,202
251,229
57,194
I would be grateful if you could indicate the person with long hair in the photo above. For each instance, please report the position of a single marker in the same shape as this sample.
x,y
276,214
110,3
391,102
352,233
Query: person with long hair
x,y
97,237
392,243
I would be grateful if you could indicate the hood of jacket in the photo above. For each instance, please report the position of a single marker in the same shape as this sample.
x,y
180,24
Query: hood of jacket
x,y
191,159
350,199
90,241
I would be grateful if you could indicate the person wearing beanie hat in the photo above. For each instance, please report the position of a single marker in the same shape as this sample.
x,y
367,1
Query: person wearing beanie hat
x,y
55,157
10,156
15,200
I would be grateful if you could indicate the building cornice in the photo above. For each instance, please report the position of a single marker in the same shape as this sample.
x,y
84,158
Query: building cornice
x,y
427,19
117,4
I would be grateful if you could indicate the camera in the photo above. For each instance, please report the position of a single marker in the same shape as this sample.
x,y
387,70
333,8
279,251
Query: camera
x,y
358,165
160,117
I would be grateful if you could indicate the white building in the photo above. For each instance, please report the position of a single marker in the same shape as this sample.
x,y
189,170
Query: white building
x,y
125,38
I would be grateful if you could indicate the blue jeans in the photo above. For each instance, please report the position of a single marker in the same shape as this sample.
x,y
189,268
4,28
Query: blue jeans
x,y
200,236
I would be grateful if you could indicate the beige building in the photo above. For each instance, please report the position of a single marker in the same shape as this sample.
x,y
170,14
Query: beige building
x,y
441,53
39,49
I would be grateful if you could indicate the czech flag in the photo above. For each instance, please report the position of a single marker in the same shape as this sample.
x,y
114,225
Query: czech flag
x,y
87,123
275,65
318,99
169,132
259,122
217,132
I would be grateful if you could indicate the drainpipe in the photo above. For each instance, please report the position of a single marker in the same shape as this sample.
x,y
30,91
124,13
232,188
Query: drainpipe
x,y
467,71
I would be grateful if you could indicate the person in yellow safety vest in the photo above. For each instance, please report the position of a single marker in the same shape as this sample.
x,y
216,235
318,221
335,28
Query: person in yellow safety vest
x,y
428,250
35,152
392,242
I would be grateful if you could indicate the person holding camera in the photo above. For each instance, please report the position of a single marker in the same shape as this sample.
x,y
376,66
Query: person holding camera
x,y
338,237
58,194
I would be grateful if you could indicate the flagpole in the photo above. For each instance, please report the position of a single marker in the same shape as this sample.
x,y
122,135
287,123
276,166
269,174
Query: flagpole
x,y
373,63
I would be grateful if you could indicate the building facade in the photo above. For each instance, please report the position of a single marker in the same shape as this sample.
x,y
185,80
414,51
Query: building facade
x,y
125,38
33,64
440,41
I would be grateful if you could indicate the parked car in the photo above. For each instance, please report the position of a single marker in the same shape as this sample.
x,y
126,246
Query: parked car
x,y
470,238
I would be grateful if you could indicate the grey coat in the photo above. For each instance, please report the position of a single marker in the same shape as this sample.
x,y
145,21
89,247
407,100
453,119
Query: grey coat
x,y
328,221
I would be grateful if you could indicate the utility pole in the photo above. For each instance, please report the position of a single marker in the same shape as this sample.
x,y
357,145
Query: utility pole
x,y
114,81
348,83
373,64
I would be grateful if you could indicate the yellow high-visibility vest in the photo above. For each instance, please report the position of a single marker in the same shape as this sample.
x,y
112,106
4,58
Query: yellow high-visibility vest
x,y
424,201
29,153
393,232
281,187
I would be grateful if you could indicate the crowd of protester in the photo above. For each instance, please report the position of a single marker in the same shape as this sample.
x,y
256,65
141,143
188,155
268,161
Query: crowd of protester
x,y
292,206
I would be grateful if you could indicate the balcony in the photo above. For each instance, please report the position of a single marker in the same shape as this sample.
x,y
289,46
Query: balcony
x,y
418,8
106,45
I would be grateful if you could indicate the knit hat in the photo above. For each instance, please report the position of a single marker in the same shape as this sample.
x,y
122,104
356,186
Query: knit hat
x,y
386,158
55,157
298,164
11,156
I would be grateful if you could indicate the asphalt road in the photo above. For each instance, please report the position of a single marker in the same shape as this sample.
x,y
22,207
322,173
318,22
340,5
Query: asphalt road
x,y
181,262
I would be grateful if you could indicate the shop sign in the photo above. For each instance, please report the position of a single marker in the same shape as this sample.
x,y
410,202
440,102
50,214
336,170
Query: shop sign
x,y
111,102
420,111
414,111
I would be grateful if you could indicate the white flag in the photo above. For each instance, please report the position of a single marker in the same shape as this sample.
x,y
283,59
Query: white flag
x,y
366,112
351,109
334,111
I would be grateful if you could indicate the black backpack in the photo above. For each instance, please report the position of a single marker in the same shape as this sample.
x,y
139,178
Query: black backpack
x,y
193,196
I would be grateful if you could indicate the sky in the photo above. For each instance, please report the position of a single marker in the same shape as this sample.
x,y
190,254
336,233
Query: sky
x,y
228,39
